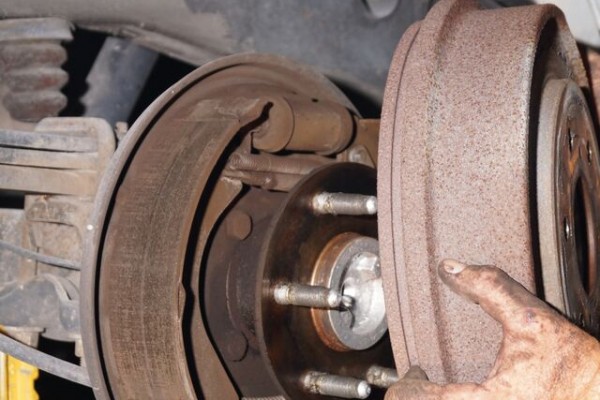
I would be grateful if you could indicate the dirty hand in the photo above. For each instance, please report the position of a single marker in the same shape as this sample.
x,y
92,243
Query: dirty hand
x,y
543,356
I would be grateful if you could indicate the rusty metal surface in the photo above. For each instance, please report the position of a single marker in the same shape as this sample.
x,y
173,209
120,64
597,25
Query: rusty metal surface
x,y
364,145
272,172
11,225
30,58
263,236
458,128
61,156
304,124
214,380
165,373
568,182
142,289
289,339
56,166
229,289
49,175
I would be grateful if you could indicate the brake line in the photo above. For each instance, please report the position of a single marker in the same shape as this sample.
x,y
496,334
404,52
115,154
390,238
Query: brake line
x,y
33,255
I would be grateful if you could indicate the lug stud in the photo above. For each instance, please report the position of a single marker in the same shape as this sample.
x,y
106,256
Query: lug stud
x,y
306,295
335,385
382,377
344,204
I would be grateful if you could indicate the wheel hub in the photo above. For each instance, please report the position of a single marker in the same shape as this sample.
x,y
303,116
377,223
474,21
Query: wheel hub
x,y
316,249
349,264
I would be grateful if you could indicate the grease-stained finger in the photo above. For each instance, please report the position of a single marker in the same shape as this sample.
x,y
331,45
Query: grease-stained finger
x,y
503,298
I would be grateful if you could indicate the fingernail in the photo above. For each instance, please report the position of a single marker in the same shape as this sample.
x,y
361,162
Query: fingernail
x,y
453,266
415,372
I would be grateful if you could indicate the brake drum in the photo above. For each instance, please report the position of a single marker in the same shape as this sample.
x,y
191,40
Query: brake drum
x,y
487,154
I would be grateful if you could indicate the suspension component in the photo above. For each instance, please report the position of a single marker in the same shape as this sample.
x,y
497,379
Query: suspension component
x,y
30,58
60,156
57,166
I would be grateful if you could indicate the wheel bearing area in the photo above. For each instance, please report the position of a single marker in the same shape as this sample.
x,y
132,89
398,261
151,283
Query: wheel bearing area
x,y
349,263
307,247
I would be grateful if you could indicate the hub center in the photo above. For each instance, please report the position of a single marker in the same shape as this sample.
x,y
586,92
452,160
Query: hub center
x,y
349,264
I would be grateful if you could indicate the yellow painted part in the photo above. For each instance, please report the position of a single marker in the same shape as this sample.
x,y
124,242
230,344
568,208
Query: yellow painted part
x,y
3,377
17,379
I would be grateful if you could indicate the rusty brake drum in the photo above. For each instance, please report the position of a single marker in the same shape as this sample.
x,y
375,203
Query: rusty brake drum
x,y
487,155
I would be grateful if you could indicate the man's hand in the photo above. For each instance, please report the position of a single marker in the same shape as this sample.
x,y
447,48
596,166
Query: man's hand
x,y
543,356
